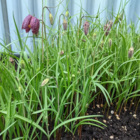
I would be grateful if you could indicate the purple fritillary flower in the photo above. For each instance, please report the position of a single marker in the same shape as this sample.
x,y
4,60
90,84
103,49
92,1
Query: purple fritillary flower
x,y
26,23
35,24
65,24
86,27
107,27
111,23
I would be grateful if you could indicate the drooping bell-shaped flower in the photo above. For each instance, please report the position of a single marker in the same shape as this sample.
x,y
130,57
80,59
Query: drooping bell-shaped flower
x,y
35,24
26,23
51,18
130,52
107,27
45,82
86,27
11,60
62,52
111,23
65,24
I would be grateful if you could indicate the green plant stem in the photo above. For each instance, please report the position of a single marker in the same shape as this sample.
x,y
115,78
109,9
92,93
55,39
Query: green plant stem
x,y
46,106
121,108
45,36
42,35
107,112
131,103
137,106
59,27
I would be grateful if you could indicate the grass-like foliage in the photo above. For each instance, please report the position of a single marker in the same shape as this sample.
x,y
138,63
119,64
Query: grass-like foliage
x,y
71,68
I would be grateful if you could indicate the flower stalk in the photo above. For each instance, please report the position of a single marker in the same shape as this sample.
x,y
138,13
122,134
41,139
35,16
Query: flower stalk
x,y
64,24
51,20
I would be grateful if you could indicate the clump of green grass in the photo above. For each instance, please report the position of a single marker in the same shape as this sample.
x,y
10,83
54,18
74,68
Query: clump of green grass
x,y
53,87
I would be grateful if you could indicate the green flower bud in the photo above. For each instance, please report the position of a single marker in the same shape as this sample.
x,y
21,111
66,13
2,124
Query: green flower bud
x,y
120,17
45,82
110,42
38,69
20,89
73,75
102,43
97,16
67,13
51,18
79,71
94,36
116,20
87,105
22,64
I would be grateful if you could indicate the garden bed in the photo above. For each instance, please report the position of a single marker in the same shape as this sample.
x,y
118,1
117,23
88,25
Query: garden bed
x,y
125,127
76,84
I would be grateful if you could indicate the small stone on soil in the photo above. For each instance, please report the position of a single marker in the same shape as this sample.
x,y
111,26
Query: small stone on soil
x,y
125,109
135,116
117,117
101,105
125,128
98,106
111,137
112,112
